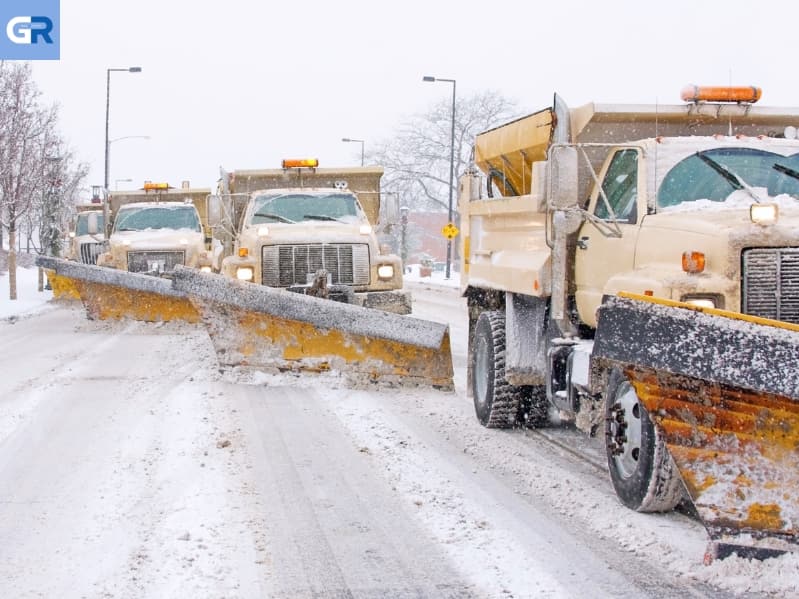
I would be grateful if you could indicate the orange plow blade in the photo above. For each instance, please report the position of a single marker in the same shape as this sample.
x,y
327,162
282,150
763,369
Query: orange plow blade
x,y
112,294
276,330
723,389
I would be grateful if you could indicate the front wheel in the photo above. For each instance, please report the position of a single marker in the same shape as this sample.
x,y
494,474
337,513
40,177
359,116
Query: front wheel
x,y
497,403
642,470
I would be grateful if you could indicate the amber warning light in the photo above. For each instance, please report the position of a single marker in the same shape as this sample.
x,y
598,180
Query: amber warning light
x,y
742,94
150,186
300,163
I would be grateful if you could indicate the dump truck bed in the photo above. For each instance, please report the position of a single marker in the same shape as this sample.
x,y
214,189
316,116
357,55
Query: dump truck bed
x,y
512,148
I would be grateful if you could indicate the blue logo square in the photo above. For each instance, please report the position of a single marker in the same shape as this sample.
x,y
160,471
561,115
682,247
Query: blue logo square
x,y
30,30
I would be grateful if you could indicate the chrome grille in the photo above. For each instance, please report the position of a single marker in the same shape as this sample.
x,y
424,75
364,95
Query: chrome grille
x,y
771,283
155,262
286,265
90,251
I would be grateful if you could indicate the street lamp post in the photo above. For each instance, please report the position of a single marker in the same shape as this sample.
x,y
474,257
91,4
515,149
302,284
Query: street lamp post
x,y
451,165
107,106
357,141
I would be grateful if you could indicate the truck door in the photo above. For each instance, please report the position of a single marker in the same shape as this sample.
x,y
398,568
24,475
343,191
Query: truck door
x,y
600,256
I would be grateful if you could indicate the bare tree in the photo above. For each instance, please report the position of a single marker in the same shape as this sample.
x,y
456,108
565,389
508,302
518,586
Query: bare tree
x,y
32,159
417,158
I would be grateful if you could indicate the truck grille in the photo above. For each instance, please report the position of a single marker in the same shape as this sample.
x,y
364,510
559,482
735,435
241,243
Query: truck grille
x,y
89,252
771,283
286,265
155,263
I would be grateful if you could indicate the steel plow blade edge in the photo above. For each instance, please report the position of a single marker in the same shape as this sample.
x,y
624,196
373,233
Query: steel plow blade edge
x,y
723,388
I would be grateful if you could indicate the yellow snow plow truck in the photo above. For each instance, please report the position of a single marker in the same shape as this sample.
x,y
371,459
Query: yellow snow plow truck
x,y
272,308
635,269
310,230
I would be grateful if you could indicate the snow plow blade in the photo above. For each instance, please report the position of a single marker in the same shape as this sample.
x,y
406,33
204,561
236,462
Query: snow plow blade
x,y
276,330
723,388
107,293
64,288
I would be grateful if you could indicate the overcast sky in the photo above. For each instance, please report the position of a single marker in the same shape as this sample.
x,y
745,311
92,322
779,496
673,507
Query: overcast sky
x,y
245,84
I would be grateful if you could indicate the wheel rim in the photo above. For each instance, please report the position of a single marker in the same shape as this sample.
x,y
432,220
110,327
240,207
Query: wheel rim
x,y
625,430
480,374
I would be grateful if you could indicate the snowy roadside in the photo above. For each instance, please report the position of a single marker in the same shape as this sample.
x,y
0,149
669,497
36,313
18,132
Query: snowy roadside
x,y
29,299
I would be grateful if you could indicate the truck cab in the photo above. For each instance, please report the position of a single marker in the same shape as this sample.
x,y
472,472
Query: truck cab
x,y
156,229
313,231
86,235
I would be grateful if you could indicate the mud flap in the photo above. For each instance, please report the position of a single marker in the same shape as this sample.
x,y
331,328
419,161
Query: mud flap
x,y
112,294
723,388
276,330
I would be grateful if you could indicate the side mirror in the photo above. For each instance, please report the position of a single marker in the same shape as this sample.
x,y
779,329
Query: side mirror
x,y
389,208
92,224
214,211
562,176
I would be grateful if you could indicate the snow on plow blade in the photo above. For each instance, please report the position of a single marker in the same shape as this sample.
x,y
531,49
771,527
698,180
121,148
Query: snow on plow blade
x,y
723,388
276,330
107,293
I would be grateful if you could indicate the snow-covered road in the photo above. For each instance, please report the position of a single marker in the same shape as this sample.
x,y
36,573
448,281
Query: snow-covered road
x,y
131,467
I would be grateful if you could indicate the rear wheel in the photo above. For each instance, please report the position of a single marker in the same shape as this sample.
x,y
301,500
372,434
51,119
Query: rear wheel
x,y
642,471
497,403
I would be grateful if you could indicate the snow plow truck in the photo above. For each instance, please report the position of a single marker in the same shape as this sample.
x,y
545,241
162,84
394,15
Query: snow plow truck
x,y
634,269
304,284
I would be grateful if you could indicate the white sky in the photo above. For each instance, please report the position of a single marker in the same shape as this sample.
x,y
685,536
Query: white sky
x,y
246,84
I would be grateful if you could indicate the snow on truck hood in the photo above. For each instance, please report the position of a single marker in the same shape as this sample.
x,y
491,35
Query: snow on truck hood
x,y
713,217
158,238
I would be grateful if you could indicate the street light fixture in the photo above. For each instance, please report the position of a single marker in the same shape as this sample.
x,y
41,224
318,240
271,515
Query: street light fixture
x,y
451,165
357,141
107,106
118,181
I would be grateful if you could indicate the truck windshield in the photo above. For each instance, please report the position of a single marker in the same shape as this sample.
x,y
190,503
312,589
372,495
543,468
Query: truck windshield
x,y
82,226
696,178
157,217
297,207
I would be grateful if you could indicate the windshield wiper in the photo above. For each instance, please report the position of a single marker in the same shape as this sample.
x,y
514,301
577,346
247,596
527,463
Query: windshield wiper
x,y
319,217
786,170
731,177
277,217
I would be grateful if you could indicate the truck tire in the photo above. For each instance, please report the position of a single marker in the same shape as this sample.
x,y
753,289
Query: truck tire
x,y
497,403
641,468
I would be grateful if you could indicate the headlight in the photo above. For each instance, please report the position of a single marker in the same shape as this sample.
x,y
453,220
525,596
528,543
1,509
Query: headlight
x,y
245,273
706,300
385,271
205,269
763,214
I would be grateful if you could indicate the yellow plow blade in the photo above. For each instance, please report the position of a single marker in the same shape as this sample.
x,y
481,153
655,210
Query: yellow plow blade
x,y
112,294
64,288
723,389
276,330
271,329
